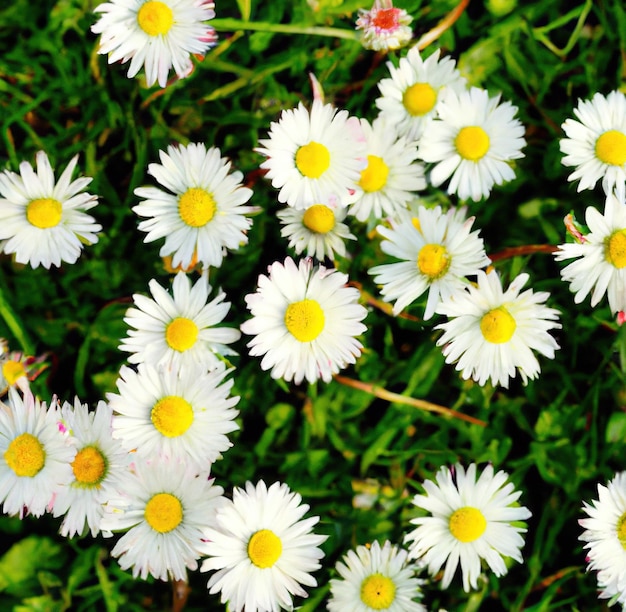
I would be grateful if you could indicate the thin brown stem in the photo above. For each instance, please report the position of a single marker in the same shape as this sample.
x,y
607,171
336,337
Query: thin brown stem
x,y
526,249
445,24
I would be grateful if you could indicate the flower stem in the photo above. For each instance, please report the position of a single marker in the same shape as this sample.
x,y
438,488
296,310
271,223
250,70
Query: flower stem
x,y
445,24
233,25
526,249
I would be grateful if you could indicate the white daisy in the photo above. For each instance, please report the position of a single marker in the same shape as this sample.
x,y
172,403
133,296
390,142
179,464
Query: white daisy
x,y
261,549
610,591
164,507
44,223
183,415
411,97
314,156
204,214
304,321
18,369
392,173
97,467
491,333
157,34
35,456
596,144
471,519
178,330
437,251
472,141
375,578
384,27
600,265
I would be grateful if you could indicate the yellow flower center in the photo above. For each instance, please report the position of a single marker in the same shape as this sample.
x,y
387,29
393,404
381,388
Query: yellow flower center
x,y
611,148
264,548
89,466
172,416
163,512
621,530
378,592
472,143
467,524
12,370
312,159
374,177
181,334
25,455
196,207
319,218
304,320
419,99
498,326
615,248
155,18
433,260
44,213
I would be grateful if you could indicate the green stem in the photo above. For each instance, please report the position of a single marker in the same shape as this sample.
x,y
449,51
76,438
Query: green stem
x,y
15,325
232,25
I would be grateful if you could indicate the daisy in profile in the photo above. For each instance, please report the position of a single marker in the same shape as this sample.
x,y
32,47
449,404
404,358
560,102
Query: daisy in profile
x,y
97,468
35,456
43,222
436,250
596,143
183,415
470,520
261,550
391,176
18,369
312,156
164,507
472,143
600,257
155,34
179,329
384,27
304,321
491,333
375,578
411,97
203,211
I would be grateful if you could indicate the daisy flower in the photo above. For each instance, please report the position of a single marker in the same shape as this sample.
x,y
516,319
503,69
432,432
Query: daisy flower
x,y
97,467
596,144
35,456
17,369
610,591
411,97
312,157
437,251
178,330
204,213
392,173
600,265
261,549
44,222
491,334
164,507
304,321
470,519
472,142
384,28
155,34
375,578
183,415
316,230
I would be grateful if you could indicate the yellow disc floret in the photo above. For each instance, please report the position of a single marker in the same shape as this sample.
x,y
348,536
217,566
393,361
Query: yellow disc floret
x,y
155,18
378,592
196,207
319,218
164,512
181,334
312,159
419,99
433,260
304,320
467,524
89,466
12,370
264,548
611,148
25,455
172,416
615,248
374,177
621,530
44,213
498,326
472,143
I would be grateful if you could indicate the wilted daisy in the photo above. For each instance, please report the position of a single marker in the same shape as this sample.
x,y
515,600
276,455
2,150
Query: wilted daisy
x,y
411,97
596,144
375,578
179,329
437,251
312,157
491,334
157,34
164,507
203,215
304,321
35,456
44,222
600,265
384,27
261,550
472,143
183,415
471,519
97,467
